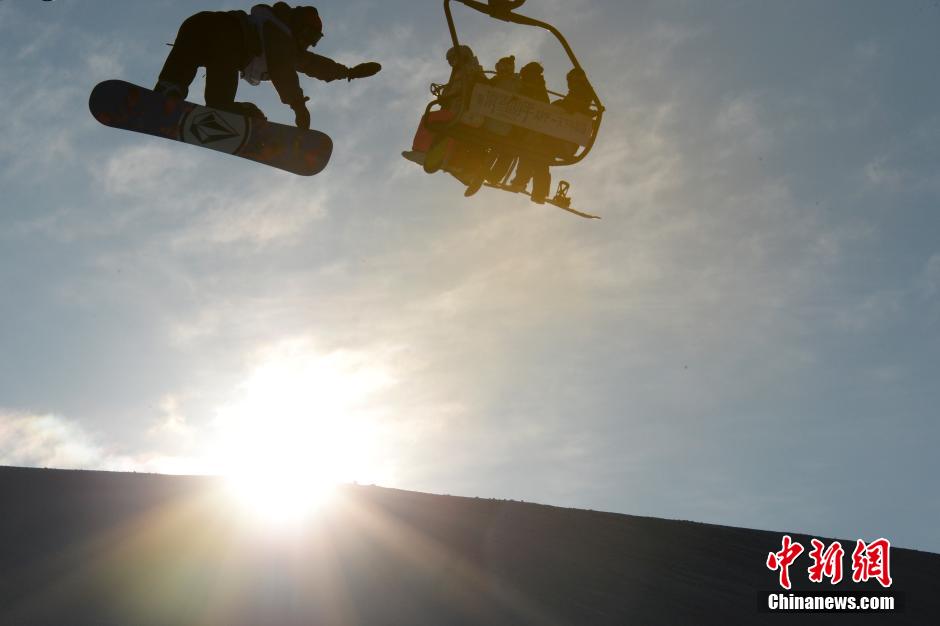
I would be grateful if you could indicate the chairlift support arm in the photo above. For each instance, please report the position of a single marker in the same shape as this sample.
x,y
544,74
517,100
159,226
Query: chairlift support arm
x,y
505,13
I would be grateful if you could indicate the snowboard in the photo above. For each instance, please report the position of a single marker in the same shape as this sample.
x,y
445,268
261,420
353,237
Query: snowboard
x,y
560,199
120,104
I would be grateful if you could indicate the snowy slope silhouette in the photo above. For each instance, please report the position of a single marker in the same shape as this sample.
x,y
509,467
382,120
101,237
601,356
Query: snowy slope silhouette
x,y
108,548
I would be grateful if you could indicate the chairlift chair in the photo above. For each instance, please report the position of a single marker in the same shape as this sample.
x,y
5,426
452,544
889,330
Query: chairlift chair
x,y
482,115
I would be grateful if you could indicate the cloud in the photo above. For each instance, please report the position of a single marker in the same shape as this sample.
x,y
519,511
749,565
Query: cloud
x,y
260,215
904,168
172,422
45,441
204,206
871,310
37,134
104,64
880,173
142,169
739,120
41,35
45,91
931,276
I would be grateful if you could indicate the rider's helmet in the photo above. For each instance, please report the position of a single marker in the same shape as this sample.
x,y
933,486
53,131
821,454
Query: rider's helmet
x,y
460,55
578,84
306,26
506,65
531,71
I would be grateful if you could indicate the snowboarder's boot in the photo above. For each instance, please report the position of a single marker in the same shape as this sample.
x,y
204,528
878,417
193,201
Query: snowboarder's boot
x,y
171,89
517,186
248,109
434,159
475,184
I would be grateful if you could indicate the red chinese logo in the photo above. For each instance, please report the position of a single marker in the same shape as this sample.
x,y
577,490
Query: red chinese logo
x,y
826,564
869,561
872,561
783,559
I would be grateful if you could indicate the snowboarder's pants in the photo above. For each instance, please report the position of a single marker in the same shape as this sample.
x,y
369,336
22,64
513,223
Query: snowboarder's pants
x,y
537,172
500,167
214,40
534,168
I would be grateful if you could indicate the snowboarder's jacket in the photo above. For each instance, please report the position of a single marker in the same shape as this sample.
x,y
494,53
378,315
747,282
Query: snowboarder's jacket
x,y
271,50
268,50
273,53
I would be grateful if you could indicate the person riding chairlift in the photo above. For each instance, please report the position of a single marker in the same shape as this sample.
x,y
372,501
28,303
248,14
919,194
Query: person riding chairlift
x,y
530,167
506,79
576,102
432,149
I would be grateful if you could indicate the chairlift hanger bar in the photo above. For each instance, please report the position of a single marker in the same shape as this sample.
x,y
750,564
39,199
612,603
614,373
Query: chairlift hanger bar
x,y
505,13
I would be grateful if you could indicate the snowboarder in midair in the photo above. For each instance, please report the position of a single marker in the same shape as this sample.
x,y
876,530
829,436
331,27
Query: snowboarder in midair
x,y
270,43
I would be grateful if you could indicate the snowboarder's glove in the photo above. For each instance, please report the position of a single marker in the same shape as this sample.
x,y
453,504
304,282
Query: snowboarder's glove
x,y
301,114
363,70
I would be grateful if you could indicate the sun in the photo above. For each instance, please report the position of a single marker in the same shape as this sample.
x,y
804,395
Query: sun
x,y
279,497
301,424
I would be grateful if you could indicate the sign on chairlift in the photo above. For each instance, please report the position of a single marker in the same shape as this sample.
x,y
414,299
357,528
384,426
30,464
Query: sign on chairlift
x,y
512,108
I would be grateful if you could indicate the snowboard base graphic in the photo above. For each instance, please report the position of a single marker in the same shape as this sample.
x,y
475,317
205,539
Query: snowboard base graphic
x,y
120,104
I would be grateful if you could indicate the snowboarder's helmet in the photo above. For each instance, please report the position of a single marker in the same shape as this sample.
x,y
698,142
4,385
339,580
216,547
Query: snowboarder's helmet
x,y
306,23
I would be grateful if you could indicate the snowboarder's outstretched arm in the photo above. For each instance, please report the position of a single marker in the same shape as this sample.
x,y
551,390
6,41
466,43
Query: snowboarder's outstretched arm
x,y
326,69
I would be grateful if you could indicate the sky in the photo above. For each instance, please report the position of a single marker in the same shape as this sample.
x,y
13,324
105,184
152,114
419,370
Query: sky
x,y
750,336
